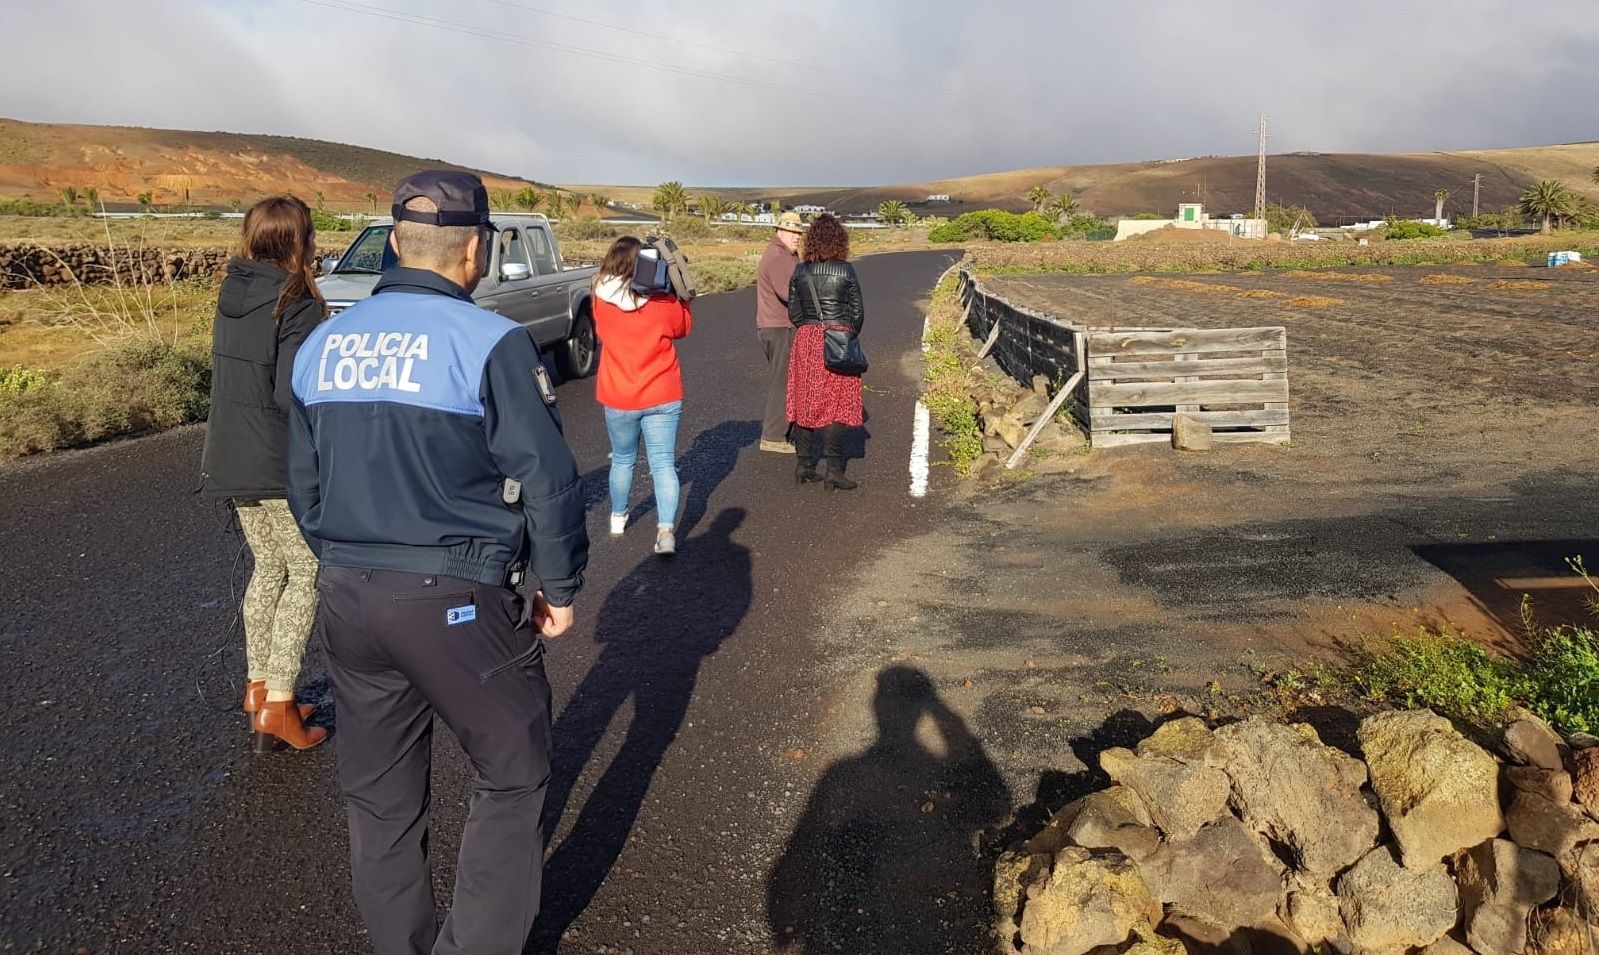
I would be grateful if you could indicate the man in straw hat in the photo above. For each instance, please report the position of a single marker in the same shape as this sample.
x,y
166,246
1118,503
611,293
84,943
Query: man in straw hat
x,y
774,328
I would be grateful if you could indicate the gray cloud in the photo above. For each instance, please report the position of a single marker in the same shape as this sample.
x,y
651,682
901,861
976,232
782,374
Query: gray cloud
x,y
828,92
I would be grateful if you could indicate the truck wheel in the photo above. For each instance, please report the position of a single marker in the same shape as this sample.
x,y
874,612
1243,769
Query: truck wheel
x,y
576,357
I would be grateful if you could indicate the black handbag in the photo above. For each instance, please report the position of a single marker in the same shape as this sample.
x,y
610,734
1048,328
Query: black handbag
x,y
841,347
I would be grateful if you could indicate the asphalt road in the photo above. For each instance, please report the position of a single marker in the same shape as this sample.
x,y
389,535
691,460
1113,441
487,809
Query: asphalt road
x,y
133,819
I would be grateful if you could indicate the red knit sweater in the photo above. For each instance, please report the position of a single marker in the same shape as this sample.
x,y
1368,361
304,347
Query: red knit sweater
x,y
638,363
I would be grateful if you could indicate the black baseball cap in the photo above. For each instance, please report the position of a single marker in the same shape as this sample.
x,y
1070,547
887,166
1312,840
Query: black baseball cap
x,y
461,198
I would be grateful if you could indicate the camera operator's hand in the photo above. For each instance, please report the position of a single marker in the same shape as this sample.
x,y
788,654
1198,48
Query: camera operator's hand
x,y
550,621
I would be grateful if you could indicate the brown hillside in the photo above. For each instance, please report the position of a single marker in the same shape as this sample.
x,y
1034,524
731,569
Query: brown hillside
x,y
1334,186
37,159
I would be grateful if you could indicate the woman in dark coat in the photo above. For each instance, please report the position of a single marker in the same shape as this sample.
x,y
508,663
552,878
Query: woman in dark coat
x,y
824,293
268,305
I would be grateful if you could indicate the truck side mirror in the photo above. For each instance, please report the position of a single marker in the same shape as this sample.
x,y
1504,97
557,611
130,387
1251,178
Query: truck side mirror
x,y
515,272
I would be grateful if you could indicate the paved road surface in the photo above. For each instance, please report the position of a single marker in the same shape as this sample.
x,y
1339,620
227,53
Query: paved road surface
x,y
132,819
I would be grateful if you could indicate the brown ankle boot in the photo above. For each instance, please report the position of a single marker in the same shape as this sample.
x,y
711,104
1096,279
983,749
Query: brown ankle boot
x,y
255,692
279,723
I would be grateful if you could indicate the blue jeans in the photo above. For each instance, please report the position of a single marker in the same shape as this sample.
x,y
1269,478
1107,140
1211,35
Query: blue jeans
x,y
658,426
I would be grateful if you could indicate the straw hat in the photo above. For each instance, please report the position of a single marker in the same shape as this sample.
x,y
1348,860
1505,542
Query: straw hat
x,y
790,222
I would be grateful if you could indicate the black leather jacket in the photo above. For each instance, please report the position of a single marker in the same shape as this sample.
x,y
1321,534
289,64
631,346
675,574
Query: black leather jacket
x,y
839,290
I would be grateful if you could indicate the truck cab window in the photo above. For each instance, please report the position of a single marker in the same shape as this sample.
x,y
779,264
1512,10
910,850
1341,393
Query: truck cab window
x,y
369,253
543,253
513,248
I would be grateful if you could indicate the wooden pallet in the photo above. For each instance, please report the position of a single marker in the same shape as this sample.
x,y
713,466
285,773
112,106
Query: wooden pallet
x,y
1234,379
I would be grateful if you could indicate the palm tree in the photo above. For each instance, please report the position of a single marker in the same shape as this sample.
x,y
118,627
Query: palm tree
x,y
321,200
893,212
1064,206
777,207
1596,174
69,195
237,204
1440,197
146,202
500,200
670,197
556,203
1039,197
529,198
1548,199
91,197
372,198
713,207
600,200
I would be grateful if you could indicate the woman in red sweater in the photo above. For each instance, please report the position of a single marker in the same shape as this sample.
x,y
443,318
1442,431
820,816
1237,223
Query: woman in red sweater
x,y
640,384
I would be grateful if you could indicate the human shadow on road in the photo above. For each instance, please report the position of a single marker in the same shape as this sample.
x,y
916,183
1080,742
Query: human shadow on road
x,y
656,628
886,857
710,458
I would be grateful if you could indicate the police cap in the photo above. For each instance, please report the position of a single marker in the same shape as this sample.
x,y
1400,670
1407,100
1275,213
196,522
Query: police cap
x,y
460,198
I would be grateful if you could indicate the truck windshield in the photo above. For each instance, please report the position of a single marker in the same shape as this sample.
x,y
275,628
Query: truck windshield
x,y
370,252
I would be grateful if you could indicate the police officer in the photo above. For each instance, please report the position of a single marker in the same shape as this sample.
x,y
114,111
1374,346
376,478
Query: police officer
x,y
428,470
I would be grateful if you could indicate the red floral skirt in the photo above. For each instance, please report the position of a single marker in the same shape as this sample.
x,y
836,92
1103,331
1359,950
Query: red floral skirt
x,y
818,396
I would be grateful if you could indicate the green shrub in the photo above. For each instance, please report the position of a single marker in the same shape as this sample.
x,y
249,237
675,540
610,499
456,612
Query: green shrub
x,y
587,228
1504,221
995,224
1408,229
723,275
140,386
17,379
28,207
1149,217
328,222
1460,679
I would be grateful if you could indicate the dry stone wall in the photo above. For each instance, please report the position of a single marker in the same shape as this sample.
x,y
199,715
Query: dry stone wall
x,y
1259,837
29,265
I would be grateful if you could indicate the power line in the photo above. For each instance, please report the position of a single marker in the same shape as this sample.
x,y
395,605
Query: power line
x,y
762,58
417,19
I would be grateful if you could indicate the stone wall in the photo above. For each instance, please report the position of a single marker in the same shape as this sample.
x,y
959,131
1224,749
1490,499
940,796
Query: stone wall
x,y
29,265
1259,837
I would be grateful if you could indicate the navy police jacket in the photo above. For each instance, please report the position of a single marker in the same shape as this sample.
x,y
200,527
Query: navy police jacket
x,y
410,410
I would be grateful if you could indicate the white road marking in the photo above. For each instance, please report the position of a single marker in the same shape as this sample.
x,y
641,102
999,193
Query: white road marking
x,y
921,440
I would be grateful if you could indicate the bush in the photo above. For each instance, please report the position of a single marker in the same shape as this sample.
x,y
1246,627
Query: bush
x,y
723,275
136,387
1409,229
586,229
27,207
995,224
1503,221
325,221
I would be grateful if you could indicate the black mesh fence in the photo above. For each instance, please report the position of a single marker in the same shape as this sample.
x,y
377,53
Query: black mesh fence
x,y
1029,343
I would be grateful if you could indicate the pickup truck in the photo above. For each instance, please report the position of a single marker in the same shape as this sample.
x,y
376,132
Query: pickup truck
x,y
527,282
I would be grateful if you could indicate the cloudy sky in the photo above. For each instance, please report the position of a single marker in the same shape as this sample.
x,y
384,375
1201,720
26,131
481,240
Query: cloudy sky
x,y
749,92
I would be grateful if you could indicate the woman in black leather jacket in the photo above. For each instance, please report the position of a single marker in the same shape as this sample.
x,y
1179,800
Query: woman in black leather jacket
x,y
824,292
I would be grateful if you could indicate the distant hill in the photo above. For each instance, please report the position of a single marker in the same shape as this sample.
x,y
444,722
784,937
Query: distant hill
x,y
1334,186
199,168
213,169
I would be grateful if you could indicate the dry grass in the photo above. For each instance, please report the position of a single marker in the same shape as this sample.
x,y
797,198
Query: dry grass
x,y
1444,279
1242,255
1203,288
1262,293
1520,285
1314,301
50,328
1339,276
157,233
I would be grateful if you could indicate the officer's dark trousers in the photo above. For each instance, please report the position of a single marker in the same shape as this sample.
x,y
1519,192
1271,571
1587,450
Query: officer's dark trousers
x,y
396,660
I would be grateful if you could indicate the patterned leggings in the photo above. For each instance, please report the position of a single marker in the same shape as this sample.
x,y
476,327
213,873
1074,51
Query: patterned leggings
x,y
280,602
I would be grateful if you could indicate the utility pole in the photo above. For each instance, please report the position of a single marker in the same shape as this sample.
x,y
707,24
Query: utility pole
x,y
1476,193
1260,173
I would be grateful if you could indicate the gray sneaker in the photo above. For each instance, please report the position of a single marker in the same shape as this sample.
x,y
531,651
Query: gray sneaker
x,y
666,544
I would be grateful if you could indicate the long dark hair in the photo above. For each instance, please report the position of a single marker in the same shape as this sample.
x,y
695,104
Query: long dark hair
x,y
620,259
827,240
279,230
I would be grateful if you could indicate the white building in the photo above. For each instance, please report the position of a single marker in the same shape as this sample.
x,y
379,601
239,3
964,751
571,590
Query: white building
x,y
810,210
939,197
1192,215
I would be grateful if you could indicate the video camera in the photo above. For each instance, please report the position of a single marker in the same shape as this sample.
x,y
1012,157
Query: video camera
x,y
662,267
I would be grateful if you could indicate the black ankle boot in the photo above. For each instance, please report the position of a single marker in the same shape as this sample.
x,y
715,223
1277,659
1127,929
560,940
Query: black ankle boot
x,y
833,450
805,467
